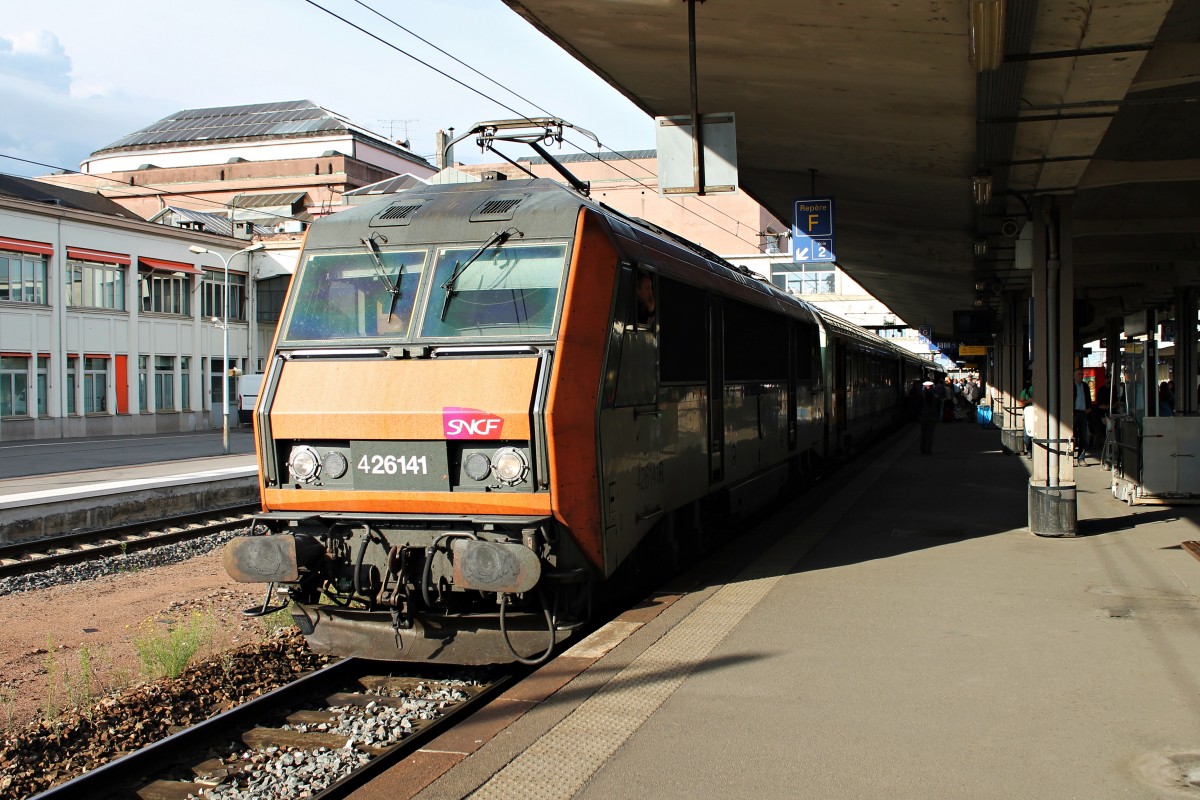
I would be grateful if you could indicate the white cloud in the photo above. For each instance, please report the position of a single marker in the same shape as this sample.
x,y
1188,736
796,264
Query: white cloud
x,y
37,57
59,123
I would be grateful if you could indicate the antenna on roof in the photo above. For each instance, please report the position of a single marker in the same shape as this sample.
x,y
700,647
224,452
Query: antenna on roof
x,y
392,124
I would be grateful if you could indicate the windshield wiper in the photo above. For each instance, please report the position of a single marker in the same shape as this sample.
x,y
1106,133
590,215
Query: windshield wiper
x,y
392,287
499,238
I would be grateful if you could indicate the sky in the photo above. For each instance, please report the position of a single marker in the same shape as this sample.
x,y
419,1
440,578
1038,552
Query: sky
x,y
76,75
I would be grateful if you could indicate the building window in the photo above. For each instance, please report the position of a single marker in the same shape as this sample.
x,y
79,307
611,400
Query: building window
x,y
214,293
806,279
165,293
164,383
14,386
270,293
143,380
23,278
185,380
215,394
95,385
43,374
92,285
205,397
72,371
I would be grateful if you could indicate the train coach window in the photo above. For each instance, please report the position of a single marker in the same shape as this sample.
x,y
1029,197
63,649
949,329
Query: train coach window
x,y
808,353
755,344
509,290
682,337
347,296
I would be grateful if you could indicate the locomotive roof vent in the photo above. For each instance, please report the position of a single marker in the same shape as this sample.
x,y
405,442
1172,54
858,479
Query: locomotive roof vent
x,y
496,208
400,213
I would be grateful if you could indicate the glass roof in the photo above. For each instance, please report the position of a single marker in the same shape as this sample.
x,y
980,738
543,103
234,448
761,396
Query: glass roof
x,y
235,122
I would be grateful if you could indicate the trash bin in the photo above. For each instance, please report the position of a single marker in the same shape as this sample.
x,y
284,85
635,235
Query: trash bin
x,y
983,415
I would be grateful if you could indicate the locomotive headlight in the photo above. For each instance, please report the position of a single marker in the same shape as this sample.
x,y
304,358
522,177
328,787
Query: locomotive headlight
x,y
334,465
304,463
510,465
477,467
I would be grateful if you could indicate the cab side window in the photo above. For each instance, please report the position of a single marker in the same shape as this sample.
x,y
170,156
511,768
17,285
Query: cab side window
x,y
645,300
636,318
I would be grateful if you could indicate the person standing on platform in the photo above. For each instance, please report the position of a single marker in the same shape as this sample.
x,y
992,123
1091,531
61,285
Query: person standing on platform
x,y
929,416
1083,402
941,391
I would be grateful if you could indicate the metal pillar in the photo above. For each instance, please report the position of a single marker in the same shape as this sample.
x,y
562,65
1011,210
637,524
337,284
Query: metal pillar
x,y
1185,351
1053,509
1011,372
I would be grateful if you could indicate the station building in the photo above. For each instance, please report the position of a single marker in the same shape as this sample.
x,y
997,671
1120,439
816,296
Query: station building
x,y
110,323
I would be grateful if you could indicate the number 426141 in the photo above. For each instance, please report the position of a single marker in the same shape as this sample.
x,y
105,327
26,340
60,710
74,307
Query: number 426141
x,y
393,465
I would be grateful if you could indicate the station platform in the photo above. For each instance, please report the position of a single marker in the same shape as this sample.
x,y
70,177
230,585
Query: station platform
x,y
895,633
57,486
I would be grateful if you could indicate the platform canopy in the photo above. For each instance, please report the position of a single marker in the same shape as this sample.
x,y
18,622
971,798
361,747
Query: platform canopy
x,y
1096,100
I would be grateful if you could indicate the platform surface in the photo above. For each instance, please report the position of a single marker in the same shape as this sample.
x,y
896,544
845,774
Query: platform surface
x,y
47,465
908,638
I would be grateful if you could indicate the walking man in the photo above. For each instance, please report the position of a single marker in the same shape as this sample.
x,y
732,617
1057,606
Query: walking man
x,y
1083,401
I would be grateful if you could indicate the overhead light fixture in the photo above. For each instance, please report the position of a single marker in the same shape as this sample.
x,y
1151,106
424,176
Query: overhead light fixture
x,y
981,247
987,34
981,186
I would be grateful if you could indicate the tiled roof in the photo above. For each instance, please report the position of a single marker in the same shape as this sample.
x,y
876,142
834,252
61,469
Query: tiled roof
x,y
52,194
212,223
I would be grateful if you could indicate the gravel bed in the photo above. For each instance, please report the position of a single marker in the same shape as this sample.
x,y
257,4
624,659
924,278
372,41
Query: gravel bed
x,y
383,725
275,773
44,754
111,565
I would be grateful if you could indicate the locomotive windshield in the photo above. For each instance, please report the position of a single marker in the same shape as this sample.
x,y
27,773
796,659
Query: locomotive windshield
x,y
507,290
355,296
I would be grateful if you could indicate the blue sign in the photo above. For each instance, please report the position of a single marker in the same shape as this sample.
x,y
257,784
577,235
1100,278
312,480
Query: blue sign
x,y
812,230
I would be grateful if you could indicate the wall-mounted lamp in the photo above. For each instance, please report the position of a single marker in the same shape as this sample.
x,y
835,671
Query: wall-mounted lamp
x,y
981,187
979,302
981,247
987,34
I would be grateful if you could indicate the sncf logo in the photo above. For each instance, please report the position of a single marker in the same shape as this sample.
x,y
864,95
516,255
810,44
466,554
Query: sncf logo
x,y
470,423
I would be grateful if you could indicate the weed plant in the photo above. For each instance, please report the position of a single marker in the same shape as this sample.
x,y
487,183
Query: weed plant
x,y
278,620
167,652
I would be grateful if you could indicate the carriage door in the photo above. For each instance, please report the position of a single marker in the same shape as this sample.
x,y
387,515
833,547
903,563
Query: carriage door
x,y
716,391
792,377
840,386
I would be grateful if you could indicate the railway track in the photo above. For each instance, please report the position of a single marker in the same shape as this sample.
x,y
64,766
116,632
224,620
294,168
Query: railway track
x,y
20,558
329,732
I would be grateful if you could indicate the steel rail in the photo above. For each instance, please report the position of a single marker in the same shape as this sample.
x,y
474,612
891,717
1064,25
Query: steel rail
x,y
87,545
125,775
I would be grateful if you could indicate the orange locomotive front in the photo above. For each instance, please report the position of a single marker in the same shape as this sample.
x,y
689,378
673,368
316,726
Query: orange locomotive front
x,y
426,430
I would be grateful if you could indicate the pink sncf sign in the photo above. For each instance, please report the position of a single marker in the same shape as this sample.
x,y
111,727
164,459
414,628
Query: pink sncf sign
x,y
470,423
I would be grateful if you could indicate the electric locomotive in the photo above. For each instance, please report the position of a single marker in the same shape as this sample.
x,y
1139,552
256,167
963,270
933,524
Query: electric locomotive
x,y
483,397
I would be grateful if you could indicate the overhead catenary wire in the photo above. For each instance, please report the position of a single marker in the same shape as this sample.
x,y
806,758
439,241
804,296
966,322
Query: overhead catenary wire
x,y
508,107
545,111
